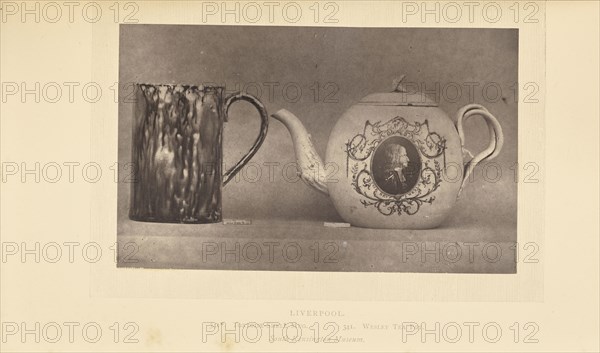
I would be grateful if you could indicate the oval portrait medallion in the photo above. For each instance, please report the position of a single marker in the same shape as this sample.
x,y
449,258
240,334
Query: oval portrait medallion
x,y
396,165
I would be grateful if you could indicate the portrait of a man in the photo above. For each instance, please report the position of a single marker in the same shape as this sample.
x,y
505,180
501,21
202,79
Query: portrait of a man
x,y
394,169
395,166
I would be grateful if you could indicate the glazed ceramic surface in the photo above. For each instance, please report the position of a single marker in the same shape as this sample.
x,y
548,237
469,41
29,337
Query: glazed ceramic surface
x,y
177,152
398,157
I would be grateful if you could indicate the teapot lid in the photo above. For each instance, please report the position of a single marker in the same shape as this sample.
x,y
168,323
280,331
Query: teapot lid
x,y
401,95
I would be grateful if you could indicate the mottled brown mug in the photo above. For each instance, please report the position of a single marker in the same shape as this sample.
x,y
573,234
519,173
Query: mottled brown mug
x,y
177,152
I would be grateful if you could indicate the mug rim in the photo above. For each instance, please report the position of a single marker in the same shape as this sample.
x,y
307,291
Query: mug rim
x,y
184,85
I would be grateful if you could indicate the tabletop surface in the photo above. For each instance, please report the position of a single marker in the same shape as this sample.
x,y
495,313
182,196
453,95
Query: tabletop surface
x,y
312,246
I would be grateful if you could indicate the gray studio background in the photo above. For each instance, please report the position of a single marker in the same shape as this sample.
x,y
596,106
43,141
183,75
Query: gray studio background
x,y
345,64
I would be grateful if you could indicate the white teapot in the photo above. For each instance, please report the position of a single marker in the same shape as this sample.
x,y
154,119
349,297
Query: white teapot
x,y
398,156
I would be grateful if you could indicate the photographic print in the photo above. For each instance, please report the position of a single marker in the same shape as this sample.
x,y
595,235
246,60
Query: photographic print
x,y
298,176
370,149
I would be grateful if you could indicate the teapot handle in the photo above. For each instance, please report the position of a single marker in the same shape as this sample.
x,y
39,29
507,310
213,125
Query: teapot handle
x,y
496,138
264,125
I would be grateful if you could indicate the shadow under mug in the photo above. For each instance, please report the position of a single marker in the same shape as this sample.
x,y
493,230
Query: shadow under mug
x,y
177,152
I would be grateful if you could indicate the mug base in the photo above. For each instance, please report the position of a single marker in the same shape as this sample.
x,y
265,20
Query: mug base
x,y
206,220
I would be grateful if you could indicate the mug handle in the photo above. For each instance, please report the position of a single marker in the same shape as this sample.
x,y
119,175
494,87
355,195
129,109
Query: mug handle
x,y
496,138
261,135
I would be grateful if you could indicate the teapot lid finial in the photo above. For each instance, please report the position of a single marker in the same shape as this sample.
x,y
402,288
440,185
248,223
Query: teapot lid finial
x,y
402,95
398,87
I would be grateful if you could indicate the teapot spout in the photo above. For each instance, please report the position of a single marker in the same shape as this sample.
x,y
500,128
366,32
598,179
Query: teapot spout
x,y
310,165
